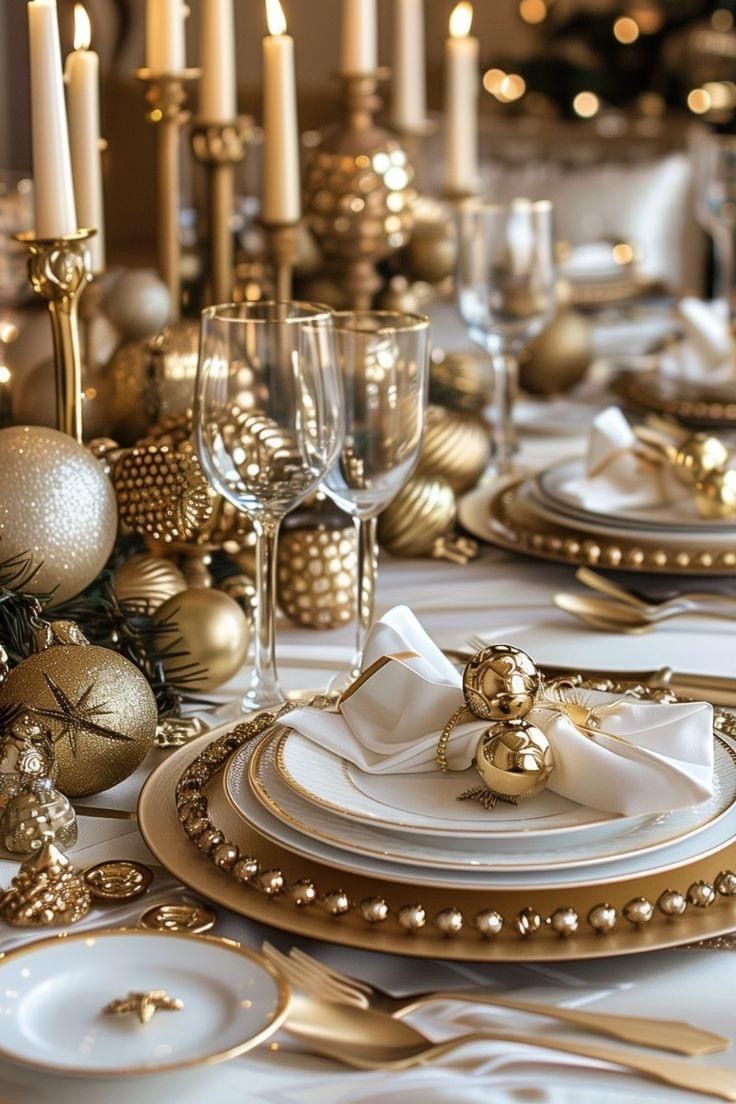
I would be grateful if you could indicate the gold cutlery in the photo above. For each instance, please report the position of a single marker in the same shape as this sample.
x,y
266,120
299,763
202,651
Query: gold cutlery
x,y
610,614
649,606
330,985
368,1040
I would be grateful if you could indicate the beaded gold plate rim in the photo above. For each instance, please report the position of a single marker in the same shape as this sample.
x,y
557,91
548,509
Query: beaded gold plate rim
x,y
163,834
646,391
504,527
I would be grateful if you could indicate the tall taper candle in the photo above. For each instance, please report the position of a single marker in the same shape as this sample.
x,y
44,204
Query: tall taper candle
x,y
165,51
83,92
408,73
53,191
461,103
359,36
217,90
281,201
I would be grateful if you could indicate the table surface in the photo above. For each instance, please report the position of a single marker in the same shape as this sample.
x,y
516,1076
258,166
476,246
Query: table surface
x,y
508,598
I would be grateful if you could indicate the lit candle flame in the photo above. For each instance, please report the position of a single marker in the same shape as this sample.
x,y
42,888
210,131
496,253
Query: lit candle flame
x,y
82,28
461,19
275,18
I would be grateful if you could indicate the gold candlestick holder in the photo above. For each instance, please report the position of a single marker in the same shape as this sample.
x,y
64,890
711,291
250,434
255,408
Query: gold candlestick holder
x,y
166,95
220,147
59,270
282,246
359,192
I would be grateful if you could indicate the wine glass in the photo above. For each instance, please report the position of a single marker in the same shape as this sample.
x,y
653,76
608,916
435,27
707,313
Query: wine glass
x,y
506,294
268,424
715,189
384,360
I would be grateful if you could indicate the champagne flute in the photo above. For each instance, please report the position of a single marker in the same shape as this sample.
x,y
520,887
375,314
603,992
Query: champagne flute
x,y
506,294
384,366
268,424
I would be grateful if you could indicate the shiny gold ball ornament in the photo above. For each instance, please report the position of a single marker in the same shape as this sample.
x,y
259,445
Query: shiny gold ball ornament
x,y
501,682
460,380
715,495
701,895
423,513
430,254
144,582
161,493
316,575
456,446
514,759
97,706
602,918
699,455
57,507
527,922
46,891
412,918
564,921
671,903
559,357
202,638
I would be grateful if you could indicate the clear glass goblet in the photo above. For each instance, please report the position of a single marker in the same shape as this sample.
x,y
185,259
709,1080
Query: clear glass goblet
x,y
715,188
506,286
268,424
384,367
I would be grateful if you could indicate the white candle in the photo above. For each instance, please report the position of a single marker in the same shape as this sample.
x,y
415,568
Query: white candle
x,y
165,51
408,87
461,102
83,92
281,184
53,192
217,95
359,36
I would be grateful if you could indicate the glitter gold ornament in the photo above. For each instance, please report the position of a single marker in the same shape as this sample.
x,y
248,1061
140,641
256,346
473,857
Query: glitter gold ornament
x,y
144,582
203,639
561,355
456,446
56,503
514,759
317,575
161,493
47,890
97,706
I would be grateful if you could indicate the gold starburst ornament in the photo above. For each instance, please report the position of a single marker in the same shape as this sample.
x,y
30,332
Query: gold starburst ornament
x,y
98,708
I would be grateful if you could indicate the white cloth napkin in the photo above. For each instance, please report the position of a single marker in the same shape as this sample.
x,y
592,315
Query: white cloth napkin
x,y
707,352
647,758
619,476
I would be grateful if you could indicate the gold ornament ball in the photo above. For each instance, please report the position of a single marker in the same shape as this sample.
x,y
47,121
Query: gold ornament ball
x,y
514,759
317,572
456,446
125,392
500,682
431,252
559,358
145,582
698,456
57,504
204,638
97,706
423,512
137,302
715,495
461,380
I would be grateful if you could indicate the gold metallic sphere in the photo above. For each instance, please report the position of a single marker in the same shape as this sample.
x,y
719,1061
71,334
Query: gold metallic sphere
x,y
462,381
514,759
559,357
500,682
317,575
145,582
715,495
423,511
203,638
698,456
456,446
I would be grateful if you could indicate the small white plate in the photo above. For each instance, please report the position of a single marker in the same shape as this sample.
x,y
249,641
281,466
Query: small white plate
x,y
53,992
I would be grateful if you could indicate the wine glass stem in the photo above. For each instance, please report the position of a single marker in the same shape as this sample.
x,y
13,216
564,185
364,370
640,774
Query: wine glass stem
x,y
723,265
367,534
505,389
264,690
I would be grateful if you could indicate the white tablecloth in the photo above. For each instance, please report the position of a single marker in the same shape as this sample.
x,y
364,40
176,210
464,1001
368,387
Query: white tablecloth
x,y
511,599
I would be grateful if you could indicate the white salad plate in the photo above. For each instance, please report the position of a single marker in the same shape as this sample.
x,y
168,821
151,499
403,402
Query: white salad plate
x,y
54,992
284,817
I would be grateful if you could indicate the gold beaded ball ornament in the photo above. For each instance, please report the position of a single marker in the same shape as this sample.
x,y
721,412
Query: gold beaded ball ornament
x,y
162,494
316,572
56,507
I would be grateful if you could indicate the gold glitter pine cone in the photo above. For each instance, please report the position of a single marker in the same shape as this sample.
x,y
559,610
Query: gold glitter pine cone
x,y
161,493
456,446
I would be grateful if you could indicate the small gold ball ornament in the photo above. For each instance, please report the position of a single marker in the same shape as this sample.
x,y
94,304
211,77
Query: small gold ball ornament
x,y
336,902
423,512
564,922
514,759
456,446
374,910
56,505
316,575
671,903
449,921
460,380
202,639
715,495
602,918
701,895
638,912
527,922
725,883
144,582
699,455
559,358
489,923
500,682
412,918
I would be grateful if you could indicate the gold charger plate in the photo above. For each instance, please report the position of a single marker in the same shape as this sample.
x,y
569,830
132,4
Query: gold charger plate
x,y
702,406
163,834
498,515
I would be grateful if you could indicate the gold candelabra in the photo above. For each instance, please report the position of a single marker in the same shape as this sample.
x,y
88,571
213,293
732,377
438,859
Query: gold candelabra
x,y
282,246
359,192
220,147
59,270
166,96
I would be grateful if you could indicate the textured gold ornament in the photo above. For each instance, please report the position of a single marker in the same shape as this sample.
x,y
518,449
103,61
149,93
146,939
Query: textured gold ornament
x,y
47,890
161,493
420,520
564,922
489,923
527,922
97,706
144,582
125,393
317,576
57,503
460,381
26,755
514,759
179,917
36,815
203,638
561,355
430,254
456,446
715,495
602,918
697,456
144,1005
501,682
118,880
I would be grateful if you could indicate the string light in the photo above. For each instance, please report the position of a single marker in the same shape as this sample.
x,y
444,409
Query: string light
x,y
626,30
699,101
506,87
586,105
493,79
533,11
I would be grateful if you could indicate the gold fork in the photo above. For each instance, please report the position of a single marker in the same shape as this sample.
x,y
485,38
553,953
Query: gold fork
x,y
303,971
367,1040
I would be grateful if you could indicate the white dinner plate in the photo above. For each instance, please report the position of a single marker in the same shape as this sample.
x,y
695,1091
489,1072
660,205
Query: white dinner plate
x,y
54,992
267,815
426,805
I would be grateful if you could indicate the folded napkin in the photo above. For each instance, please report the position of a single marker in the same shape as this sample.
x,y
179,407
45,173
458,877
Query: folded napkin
x,y
647,758
621,475
707,352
